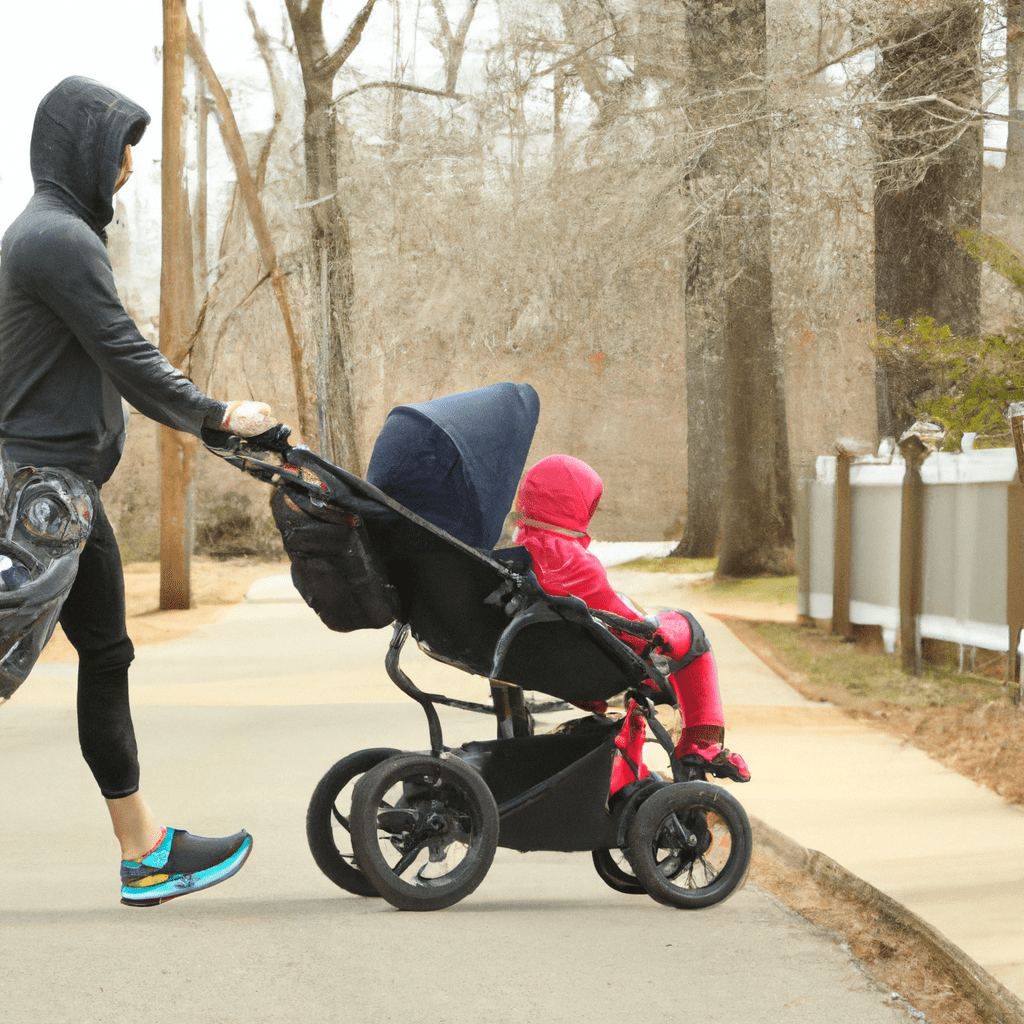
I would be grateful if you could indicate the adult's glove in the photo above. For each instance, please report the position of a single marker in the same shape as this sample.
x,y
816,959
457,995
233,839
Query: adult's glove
x,y
247,419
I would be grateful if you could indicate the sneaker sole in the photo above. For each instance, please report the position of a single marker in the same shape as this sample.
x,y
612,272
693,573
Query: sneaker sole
x,y
185,885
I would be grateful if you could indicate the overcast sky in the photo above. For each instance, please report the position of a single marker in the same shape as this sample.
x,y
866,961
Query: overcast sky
x,y
116,42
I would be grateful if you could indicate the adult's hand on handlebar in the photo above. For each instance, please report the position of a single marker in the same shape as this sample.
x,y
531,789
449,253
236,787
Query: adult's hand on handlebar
x,y
228,446
247,419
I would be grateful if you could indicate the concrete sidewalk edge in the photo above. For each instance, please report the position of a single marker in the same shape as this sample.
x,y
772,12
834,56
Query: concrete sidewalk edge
x,y
992,1001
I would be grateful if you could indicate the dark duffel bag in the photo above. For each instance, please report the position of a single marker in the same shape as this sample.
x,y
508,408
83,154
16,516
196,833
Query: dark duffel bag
x,y
333,565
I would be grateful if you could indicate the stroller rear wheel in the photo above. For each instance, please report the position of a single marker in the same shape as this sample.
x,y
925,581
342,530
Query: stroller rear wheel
x,y
328,829
424,830
689,845
614,869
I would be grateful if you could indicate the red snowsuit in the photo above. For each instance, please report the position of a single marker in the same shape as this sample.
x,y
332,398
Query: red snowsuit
x,y
556,501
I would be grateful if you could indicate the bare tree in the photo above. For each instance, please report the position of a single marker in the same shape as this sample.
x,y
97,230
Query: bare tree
x,y
929,168
738,449
249,193
1014,13
330,246
452,44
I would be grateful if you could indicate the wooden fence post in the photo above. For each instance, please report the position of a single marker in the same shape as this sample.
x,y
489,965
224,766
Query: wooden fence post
x,y
1015,555
841,558
1014,583
914,451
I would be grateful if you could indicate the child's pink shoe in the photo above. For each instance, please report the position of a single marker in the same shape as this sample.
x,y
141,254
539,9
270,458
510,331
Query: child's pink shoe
x,y
716,761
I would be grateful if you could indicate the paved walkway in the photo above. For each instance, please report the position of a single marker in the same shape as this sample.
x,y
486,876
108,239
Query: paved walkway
x,y
239,720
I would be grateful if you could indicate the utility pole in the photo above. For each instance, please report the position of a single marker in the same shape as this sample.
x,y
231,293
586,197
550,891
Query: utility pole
x,y
202,123
177,300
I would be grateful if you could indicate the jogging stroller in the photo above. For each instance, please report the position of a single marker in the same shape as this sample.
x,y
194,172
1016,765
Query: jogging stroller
x,y
413,546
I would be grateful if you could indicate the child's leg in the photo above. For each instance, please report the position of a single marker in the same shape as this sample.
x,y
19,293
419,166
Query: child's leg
x,y
700,704
700,701
703,736
628,765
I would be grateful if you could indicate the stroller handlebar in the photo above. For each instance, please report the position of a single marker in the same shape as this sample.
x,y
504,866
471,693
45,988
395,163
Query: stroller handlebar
x,y
276,439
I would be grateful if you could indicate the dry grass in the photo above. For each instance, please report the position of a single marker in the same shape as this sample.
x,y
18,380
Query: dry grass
x,y
966,722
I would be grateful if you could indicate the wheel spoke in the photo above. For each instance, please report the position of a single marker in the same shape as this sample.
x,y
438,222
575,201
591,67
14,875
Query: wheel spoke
x,y
407,860
329,823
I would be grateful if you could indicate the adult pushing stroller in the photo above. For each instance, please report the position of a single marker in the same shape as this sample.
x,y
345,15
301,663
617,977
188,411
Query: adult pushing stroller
x,y
413,546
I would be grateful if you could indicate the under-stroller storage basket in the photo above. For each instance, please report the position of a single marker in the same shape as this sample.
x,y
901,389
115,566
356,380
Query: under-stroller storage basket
x,y
551,790
333,567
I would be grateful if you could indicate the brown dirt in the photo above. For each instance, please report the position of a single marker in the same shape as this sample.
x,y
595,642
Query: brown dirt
x,y
905,956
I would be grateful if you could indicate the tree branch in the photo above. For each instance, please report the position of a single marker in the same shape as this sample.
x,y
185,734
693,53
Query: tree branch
x,y
236,150
402,86
912,101
330,64
442,17
263,44
571,59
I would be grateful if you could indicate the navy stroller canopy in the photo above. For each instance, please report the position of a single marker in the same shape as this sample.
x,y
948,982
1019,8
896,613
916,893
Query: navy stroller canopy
x,y
456,461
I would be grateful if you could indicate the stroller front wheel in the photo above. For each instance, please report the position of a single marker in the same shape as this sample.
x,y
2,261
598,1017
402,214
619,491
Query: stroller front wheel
x,y
424,830
690,845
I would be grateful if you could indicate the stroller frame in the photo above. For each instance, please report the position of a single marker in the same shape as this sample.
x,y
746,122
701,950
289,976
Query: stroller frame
x,y
421,828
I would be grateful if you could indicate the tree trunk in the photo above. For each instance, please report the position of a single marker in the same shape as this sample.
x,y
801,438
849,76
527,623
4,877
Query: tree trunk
x,y
249,193
330,254
452,45
706,410
737,451
757,526
177,311
1014,167
331,265
929,176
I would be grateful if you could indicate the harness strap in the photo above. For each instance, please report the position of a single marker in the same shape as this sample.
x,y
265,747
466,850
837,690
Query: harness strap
x,y
551,527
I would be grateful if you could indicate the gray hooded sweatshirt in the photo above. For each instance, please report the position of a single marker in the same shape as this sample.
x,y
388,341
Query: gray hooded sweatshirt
x,y
68,350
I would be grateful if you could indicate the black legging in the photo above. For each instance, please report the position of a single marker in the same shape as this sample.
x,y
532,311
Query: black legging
x,y
93,619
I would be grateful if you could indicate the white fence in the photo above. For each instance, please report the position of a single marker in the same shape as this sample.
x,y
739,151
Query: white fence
x,y
970,573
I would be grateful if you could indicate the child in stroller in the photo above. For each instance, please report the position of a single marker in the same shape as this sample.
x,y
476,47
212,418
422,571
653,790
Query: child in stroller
x,y
556,501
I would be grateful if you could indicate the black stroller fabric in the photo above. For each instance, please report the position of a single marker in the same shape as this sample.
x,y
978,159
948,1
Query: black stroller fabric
x,y
456,461
333,566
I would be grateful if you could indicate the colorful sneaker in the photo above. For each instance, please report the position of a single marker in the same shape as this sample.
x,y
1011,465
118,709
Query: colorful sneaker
x,y
179,864
716,760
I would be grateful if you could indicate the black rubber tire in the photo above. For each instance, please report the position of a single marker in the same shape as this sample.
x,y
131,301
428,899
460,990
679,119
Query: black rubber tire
x,y
615,874
414,812
696,877
327,820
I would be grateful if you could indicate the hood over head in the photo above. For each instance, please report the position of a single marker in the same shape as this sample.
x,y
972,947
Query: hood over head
x,y
78,140
560,491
